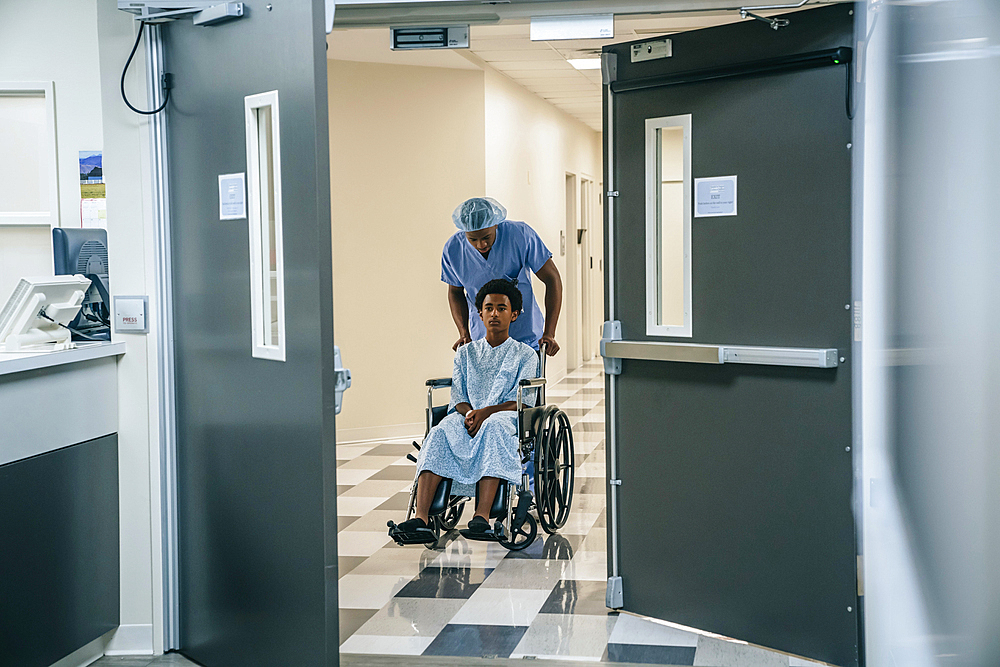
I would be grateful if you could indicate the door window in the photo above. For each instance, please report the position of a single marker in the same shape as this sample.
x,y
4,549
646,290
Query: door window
x,y
668,226
267,284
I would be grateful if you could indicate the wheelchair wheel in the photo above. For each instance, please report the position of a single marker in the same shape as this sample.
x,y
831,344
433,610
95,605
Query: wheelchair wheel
x,y
521,538
451,517
554,470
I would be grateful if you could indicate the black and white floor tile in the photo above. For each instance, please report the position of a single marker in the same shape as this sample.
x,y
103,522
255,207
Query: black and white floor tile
x,y
476,599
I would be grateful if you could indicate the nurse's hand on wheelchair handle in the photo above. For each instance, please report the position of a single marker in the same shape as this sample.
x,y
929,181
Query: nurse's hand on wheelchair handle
x,y
462,340
551,346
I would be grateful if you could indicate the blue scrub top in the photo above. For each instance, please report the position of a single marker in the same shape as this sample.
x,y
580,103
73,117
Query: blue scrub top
x,y
517,250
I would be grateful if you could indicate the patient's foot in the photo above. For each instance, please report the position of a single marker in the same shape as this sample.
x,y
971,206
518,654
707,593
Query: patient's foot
x,y
414,531
479,529
413,525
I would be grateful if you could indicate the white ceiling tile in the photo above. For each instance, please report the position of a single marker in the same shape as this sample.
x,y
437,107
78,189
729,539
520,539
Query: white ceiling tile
x,y
507,45
561,84
547,74
534,65
589,109
522,55
574,100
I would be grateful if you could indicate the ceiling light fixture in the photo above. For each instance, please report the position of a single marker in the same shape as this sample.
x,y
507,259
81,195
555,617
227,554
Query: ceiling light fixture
x,y
585,63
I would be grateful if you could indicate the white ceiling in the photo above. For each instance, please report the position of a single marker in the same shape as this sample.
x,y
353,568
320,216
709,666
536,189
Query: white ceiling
x,y
541,67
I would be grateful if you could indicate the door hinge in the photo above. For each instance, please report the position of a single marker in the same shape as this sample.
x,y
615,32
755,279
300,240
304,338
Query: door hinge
x,y
612,193
615,596
612,331
615,482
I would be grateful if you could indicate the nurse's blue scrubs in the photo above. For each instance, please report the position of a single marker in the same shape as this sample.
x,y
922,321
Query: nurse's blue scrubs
x,y
516,251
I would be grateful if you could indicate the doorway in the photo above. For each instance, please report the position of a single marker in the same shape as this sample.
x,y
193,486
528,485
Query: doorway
x,y
379,583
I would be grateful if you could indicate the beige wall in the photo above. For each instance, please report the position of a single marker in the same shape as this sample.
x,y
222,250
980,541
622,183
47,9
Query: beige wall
x,y
530,148
407,145
52,40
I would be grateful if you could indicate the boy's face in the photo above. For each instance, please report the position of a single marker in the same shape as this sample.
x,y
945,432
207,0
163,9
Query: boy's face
x,y
497,313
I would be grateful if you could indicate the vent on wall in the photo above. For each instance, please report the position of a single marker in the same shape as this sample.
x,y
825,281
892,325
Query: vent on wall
x,y
435,37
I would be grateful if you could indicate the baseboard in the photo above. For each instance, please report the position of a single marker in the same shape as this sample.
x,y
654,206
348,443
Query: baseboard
x,y
87,654
131,640
346,436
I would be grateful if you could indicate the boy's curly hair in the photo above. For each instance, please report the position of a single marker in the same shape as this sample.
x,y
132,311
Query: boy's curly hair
x,y
501,286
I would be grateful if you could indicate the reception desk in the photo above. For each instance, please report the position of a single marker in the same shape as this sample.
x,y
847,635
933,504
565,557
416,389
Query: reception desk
x,y
59,544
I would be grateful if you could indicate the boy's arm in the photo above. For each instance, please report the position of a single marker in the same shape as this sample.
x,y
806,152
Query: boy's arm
x,y
493,409
475,418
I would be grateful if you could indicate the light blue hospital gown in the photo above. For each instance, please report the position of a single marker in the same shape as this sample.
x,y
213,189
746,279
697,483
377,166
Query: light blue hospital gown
x,y
483,376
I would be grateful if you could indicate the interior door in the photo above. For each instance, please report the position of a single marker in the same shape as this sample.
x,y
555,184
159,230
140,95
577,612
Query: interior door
x,y
253,328
729,387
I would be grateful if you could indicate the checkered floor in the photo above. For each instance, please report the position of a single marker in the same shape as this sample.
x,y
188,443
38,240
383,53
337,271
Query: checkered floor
x,y
477,599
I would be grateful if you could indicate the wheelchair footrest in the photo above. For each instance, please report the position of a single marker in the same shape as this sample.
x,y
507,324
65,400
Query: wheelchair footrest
x,y
485,534
418,536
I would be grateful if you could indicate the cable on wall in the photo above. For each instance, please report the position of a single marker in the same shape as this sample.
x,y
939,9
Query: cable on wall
x,y
166,82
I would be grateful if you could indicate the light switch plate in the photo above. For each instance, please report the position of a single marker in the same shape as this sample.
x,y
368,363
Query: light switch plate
x,y
131,314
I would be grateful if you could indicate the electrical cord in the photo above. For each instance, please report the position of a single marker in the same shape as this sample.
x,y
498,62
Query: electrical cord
x,y
166,82
42,315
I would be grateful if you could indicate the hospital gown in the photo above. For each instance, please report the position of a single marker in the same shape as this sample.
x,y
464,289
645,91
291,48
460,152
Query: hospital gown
x,y
483,376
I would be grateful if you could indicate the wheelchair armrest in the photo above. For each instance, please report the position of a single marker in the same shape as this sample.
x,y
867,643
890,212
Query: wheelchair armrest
x,y
437,383
532,382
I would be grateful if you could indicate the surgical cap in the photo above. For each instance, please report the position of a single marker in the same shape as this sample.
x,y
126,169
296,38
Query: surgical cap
x,y
478,213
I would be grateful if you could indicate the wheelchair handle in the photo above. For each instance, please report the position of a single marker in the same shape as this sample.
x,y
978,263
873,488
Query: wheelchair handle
x,y
437,383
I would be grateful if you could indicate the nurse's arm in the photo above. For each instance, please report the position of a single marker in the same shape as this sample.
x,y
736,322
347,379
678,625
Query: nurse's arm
x,y
459,313
549,275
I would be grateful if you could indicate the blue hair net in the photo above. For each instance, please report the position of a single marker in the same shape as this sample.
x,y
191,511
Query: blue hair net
x,y
478,213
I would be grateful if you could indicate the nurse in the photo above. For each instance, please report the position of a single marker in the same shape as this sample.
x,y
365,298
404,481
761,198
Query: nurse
x,y
489,246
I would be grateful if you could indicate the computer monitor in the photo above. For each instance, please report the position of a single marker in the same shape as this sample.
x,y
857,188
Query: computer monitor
x,y
39,311
85,252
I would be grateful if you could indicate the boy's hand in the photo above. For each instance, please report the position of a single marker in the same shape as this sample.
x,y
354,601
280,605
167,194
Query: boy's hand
x,y
474,420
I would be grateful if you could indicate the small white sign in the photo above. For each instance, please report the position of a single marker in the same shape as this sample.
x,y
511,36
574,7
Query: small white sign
x,y
232,196
714,197
130,314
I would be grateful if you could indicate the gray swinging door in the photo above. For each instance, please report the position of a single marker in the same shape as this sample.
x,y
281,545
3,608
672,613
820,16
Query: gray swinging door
x,y
730,420
256,494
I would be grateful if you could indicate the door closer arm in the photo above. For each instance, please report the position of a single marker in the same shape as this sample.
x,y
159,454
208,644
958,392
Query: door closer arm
x,y
207,12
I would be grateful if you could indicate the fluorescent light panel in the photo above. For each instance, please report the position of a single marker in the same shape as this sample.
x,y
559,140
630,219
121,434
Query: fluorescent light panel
x,y
585,63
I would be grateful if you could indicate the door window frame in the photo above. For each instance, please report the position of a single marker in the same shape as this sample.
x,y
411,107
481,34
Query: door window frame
x,y
653,214
263,194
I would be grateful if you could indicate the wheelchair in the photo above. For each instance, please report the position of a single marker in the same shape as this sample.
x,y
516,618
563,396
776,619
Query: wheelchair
x,y
545,440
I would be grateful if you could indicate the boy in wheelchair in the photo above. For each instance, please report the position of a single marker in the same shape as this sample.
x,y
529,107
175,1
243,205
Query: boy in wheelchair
x,y
477,442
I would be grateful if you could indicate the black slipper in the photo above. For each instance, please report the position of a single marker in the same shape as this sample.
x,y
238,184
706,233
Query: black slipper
x,y
414,531
412,525
479,529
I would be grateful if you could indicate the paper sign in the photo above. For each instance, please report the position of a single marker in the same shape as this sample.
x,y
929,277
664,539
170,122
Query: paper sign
x,y
232,196
714,197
